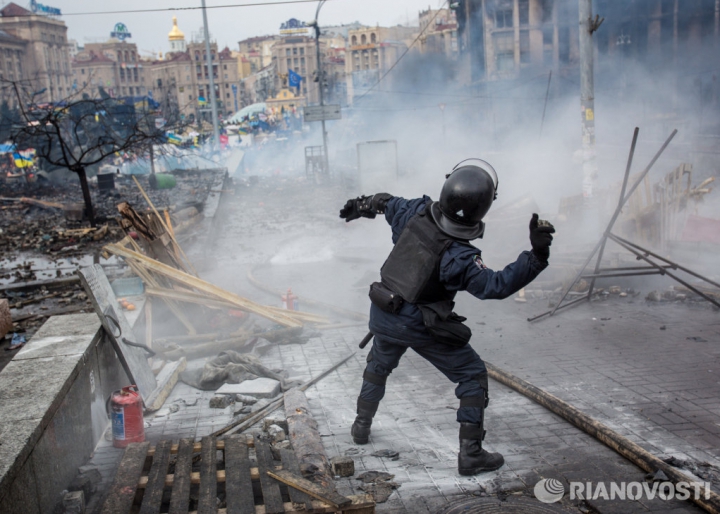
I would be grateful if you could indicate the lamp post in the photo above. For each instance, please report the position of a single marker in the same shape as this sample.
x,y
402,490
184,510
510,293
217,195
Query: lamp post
x,y
316,25
213,100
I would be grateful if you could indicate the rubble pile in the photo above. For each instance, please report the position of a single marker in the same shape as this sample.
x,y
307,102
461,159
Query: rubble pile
x,y
47,218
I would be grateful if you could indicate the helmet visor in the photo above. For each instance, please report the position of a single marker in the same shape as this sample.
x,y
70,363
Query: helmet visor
x,y
472,161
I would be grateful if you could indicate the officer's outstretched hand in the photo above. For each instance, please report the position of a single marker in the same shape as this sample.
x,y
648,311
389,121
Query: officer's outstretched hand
x,y
350,211
541,232
357,207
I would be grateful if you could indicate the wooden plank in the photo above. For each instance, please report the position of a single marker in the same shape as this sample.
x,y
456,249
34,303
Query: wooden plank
x,y
132,358
201,285
361,504
220,445
148,322
238,484
301,484
207,503
156,479
195,477
272,500
166,380
290,463
122,492
180,498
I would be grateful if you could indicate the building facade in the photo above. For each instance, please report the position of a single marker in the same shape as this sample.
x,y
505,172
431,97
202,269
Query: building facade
x,y
181,80
12,59
438,29
371,51
45,59
297,53
114,66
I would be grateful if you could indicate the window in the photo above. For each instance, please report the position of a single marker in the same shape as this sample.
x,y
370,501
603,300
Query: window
x,y
287,52
295,62
504,19
289,63
122,74
524,7
225,67
363,39
302,51
354,40
227,95
372,37
302,61
226,84
119,56
135,74
82,71
524,46
504,51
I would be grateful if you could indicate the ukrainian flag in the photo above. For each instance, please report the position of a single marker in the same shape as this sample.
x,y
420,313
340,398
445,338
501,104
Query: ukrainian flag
x,y
202,100
24,159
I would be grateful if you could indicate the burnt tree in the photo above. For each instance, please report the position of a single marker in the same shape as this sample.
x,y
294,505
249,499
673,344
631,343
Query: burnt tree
x,y
81,131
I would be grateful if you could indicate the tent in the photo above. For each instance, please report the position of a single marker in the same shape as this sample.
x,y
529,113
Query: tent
x,y
247,111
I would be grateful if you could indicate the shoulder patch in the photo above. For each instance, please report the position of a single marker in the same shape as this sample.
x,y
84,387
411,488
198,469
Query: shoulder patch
x,y
479,263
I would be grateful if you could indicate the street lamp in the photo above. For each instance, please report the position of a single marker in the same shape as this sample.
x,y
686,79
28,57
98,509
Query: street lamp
x,y
316,26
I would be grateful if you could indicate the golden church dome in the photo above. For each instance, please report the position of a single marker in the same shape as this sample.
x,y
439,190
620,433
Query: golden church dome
x,y
176,34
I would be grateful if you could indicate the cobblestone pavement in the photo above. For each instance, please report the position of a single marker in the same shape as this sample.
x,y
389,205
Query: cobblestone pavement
x,y
649,371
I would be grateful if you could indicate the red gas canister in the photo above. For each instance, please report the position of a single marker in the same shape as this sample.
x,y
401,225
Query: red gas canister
x,y
289,301
126,414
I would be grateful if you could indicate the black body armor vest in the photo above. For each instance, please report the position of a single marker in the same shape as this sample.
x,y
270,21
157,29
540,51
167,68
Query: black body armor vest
x,y
412,269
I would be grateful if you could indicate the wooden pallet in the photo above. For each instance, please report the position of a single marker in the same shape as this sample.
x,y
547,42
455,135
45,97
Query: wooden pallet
x,y
161,479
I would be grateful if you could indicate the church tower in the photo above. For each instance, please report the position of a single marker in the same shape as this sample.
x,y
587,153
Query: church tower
x,y
177,38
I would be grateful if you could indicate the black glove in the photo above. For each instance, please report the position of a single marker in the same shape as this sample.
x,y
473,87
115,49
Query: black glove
x,y
541,237
356,208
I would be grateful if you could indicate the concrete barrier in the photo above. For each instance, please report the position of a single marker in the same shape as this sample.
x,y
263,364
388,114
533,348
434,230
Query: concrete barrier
x,y
52,410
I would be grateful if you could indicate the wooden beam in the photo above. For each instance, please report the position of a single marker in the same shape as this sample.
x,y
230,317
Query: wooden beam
x,y
201,285
301,484
166,380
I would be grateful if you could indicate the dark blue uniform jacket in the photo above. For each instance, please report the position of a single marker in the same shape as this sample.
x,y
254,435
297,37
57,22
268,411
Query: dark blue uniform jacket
x,y
461,269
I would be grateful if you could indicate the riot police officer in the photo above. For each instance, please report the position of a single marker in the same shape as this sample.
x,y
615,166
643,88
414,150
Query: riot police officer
x,y
412,305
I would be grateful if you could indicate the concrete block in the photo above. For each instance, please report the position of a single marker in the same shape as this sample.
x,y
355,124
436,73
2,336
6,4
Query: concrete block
x,y
221,401
276,433
5,318
276,447
74,503
276,419
260,387
342,466
247,400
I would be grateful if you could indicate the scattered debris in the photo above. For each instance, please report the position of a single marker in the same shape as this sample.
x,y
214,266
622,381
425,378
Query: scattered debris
x,y
17,342
247,400
342,466
276,433
221,401
378,484
386,454
697,339
658,476
259,387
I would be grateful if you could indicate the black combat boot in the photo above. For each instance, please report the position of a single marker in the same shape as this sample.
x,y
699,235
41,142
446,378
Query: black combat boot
x,y
472,459
360,430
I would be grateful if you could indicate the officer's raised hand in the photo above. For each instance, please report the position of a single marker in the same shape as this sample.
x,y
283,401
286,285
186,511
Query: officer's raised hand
x,y
365,206
541,232
356,208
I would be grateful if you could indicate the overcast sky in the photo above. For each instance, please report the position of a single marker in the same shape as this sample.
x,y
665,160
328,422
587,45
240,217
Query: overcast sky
x,y
227,25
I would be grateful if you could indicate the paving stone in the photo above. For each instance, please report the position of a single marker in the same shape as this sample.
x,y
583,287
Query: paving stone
x,y
260,387
342,466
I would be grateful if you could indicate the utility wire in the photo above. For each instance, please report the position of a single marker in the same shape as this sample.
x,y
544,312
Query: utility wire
x,y
191,8
404,53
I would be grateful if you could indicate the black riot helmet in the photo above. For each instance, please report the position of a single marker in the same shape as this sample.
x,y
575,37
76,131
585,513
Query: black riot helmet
x,y
465,199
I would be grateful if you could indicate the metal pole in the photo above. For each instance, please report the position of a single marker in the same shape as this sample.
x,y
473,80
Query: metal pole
x,y
208,58
587,98
320,86
547,94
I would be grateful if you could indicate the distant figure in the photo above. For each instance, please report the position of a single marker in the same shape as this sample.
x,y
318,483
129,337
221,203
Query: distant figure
x,y
412,306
